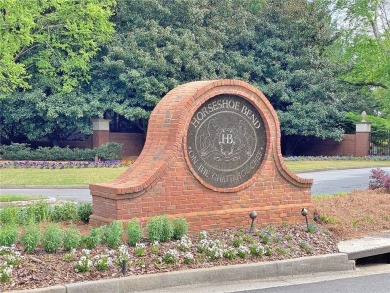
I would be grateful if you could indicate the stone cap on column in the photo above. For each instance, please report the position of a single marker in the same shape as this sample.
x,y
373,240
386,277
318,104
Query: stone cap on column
x,y
101,124
363,126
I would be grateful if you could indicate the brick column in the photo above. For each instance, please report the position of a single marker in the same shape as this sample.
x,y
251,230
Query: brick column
x,y
101,132
363,131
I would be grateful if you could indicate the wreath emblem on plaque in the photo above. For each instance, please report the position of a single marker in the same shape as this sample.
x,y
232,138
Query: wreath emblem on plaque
x,y
225,143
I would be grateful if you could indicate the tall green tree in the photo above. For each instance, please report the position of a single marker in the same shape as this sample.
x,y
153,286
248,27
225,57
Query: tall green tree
x,y
161,44
297,77
363,47
50,39
46,49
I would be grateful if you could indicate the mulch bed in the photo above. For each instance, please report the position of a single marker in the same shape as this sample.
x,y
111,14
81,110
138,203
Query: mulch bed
x,y
43,269
360,213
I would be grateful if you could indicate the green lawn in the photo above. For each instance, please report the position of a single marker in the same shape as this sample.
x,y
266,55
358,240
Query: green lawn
x,y
58,176
305,166
20,197
97,175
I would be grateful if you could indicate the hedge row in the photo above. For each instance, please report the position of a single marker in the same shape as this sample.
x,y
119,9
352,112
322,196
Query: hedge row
x,y
23,151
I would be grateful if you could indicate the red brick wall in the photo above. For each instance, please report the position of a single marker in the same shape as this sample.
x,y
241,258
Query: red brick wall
x,y
362,144
161,182
133,143
85,144
328,147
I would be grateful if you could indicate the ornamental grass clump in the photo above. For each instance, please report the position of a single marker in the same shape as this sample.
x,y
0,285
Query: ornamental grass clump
x,y
180,228
8,235
134,232
66,211
94,238
113,234
160,229
72,239
9,215
52,238
30,237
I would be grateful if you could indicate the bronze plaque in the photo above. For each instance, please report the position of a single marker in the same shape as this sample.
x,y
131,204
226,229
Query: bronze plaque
x,y
226,141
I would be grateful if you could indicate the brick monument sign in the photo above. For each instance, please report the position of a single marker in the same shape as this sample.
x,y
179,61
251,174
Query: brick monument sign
x,y
212,155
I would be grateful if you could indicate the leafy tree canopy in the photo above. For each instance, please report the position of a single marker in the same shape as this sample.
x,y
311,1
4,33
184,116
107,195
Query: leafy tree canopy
x,y
50,39
363,47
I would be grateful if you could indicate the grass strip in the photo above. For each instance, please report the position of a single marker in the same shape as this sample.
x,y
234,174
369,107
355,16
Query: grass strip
x,y
20,197
305,166
59,177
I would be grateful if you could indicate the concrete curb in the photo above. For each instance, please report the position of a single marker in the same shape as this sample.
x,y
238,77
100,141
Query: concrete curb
x,y
298,266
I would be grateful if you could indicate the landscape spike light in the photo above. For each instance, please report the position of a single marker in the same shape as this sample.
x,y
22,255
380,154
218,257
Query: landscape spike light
x,y
253,216
305,212
123,266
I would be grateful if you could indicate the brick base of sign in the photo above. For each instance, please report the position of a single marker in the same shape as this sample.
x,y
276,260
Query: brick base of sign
x,y
161,180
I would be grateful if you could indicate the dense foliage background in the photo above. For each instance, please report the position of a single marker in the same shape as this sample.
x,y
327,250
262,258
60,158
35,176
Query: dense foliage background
x,y
63,63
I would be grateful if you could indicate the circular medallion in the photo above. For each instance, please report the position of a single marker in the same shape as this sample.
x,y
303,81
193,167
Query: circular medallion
x,y
226,141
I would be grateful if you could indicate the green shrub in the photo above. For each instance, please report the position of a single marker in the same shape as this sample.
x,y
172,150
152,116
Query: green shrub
x,y
9,215
8,235
109,151
52,238
37,212
113,234
180,228
65,211
15,151
22,151
160,229
72,238
84,211
94,238
30,238
134,232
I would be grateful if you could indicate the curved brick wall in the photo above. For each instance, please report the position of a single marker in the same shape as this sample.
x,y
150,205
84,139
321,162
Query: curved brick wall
x,y
161,182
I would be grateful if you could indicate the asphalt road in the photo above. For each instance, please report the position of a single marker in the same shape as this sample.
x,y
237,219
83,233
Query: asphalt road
x,y
373,284
329,182
334,181
373,278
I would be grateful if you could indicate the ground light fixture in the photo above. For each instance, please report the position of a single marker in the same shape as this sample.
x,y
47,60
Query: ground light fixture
x,y
305,212
253,216
123,266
